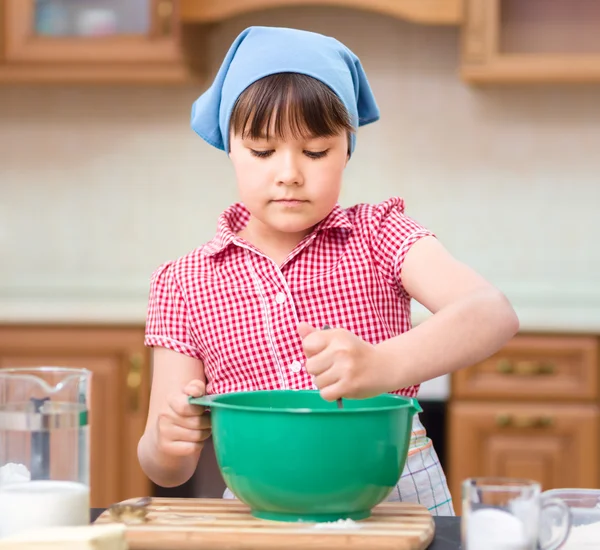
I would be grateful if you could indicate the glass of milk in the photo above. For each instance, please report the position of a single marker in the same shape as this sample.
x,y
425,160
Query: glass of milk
x,y
44,448
508,514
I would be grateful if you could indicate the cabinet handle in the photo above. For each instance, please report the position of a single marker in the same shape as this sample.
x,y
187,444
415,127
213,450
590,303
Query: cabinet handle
x,y
134,380
523,422
164,14
475,32
525,368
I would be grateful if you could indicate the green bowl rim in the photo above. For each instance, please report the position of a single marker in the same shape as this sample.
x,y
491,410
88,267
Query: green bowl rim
x,y
212,401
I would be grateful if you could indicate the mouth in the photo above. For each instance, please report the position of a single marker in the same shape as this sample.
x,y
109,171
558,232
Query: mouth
x,y
290,202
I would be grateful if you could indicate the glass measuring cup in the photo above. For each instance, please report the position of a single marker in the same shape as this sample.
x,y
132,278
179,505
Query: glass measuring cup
x,y
44,448
511,514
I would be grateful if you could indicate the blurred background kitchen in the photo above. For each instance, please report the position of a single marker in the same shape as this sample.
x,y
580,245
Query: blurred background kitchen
x,y
490,130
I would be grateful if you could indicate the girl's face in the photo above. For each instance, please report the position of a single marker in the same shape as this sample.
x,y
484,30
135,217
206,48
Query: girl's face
x,y
289,185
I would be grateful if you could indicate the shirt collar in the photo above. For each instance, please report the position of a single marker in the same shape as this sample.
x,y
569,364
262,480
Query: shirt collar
x,y
235,218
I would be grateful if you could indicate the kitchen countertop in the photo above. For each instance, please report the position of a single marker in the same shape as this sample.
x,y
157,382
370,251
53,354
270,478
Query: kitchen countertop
x,y
550,318
447,531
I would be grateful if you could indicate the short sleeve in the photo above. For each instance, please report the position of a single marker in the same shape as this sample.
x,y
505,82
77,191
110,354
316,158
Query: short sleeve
x,y
392,233
167,322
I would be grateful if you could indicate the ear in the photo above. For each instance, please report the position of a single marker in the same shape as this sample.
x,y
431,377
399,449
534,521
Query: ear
x,y
236,149
349,139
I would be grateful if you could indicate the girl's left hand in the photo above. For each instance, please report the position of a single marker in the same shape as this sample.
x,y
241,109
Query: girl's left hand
x,y
343,365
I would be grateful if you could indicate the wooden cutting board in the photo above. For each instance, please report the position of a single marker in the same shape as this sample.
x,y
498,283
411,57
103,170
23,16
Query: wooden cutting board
x,y
216,524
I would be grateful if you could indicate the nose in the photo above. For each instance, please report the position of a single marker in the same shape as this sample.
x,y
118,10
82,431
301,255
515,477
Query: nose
x,y
289,171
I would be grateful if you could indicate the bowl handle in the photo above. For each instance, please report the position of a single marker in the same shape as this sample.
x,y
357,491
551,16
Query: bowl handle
x,y
204,400
414,404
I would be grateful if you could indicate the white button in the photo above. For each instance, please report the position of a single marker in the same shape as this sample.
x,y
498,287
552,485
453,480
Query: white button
x,y
296,366
280,297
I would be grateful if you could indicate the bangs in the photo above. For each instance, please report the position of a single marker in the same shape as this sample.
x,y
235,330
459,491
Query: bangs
x,y
287,105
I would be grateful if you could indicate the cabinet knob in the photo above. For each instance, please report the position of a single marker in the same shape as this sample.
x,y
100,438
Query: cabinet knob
x,y
545,421
164,17
134,380
503,420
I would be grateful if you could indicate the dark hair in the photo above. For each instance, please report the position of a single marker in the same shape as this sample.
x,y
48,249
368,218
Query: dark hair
x,y
289,104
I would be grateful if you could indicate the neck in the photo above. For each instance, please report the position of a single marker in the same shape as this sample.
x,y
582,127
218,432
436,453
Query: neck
x,y
276,245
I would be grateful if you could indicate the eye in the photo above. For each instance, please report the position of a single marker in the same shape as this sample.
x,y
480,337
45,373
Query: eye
x,y
316,154
261,154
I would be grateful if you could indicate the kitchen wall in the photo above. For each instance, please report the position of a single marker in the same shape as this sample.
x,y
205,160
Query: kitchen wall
x,y
100,185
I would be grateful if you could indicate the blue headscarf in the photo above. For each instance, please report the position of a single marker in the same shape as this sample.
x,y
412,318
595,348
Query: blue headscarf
x,y
261,51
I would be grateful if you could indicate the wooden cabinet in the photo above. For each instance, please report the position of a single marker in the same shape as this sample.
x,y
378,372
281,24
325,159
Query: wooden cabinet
x,y
119,395
534,368
158,41
530,411
512,41
72,41
555,445
436,12
145,41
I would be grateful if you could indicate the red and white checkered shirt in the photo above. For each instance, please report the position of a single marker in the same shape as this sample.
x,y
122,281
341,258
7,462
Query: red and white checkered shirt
x,y
229,305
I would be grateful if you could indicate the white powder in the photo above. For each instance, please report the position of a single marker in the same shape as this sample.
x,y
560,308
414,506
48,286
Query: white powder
x,y
583,536
493,529
339,524
38,504
14,473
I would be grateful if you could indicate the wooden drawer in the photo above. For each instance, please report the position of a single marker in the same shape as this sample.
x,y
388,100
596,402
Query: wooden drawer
x,y
534,368
555,444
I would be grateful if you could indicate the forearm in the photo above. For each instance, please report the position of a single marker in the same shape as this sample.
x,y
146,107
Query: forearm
x,y
163,469
461,334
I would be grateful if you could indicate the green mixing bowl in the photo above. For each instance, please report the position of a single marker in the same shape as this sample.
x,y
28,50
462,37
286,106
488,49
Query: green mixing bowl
x,y
292,456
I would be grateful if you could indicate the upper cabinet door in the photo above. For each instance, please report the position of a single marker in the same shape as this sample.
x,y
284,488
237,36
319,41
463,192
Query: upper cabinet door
x,y
529,41
110,37
434,12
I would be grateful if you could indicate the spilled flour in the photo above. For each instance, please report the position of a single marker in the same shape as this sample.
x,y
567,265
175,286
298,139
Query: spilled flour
x,y
339,524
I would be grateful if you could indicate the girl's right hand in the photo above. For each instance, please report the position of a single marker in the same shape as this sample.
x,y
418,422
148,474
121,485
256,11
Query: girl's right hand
x,y
182,428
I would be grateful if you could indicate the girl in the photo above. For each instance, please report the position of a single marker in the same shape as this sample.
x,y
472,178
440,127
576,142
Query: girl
x,y
243,311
